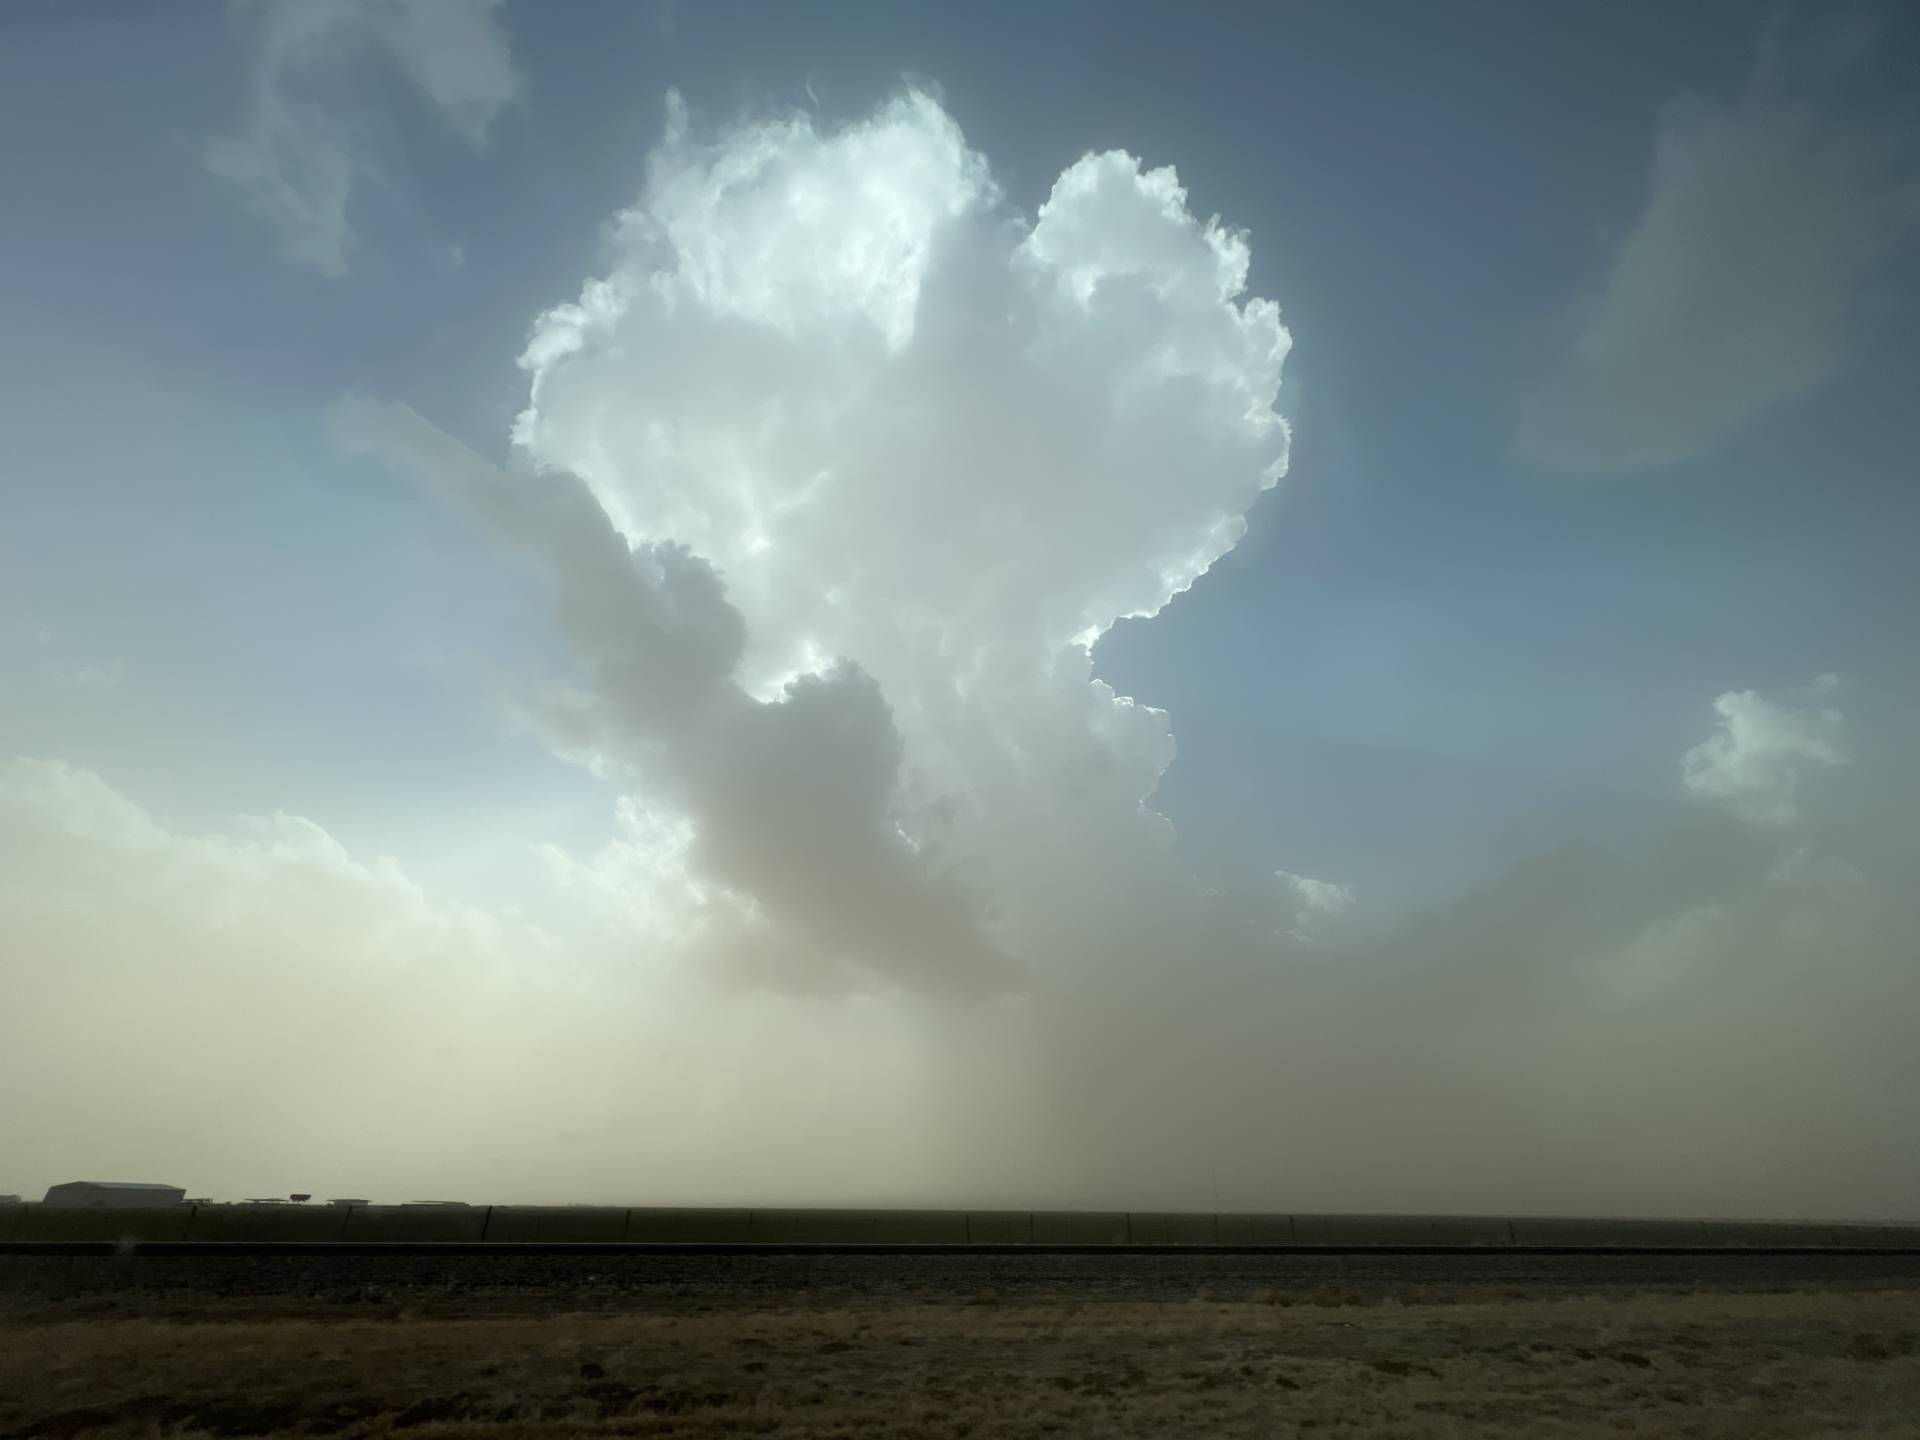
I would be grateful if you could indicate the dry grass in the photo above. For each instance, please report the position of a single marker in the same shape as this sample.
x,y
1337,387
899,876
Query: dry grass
x,y
1760,1365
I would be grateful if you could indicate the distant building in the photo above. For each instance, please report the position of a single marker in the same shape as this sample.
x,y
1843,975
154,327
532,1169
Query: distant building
x,y
113,1194
9,1199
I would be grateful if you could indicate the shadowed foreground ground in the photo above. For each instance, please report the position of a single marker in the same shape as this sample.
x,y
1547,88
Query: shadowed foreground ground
x,y
114,1348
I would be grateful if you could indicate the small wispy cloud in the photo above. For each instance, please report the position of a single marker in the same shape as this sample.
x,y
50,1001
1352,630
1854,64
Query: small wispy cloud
x,y
1739,287
1314,903
1752,764
298,158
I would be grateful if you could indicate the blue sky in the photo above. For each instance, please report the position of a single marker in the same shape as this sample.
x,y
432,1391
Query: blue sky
x,y
1415,612
1445,643
1416,609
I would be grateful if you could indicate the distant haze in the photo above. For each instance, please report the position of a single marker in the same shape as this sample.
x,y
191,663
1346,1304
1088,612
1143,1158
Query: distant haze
x,y
822,491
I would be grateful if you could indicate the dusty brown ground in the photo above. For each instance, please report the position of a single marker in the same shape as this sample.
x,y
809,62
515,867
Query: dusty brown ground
x,y
1304,1359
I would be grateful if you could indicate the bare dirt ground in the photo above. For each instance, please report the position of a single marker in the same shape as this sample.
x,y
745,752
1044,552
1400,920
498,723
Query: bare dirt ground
x,y
1217,1346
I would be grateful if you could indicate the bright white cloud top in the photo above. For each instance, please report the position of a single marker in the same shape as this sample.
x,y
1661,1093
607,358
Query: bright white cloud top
x,y
842,369
890,457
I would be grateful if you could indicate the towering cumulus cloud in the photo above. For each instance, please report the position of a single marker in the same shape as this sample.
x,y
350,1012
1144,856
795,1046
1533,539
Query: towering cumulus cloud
x,y
889,456
838,472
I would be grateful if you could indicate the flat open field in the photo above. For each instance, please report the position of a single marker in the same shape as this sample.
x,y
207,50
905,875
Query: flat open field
x,y
977,1346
